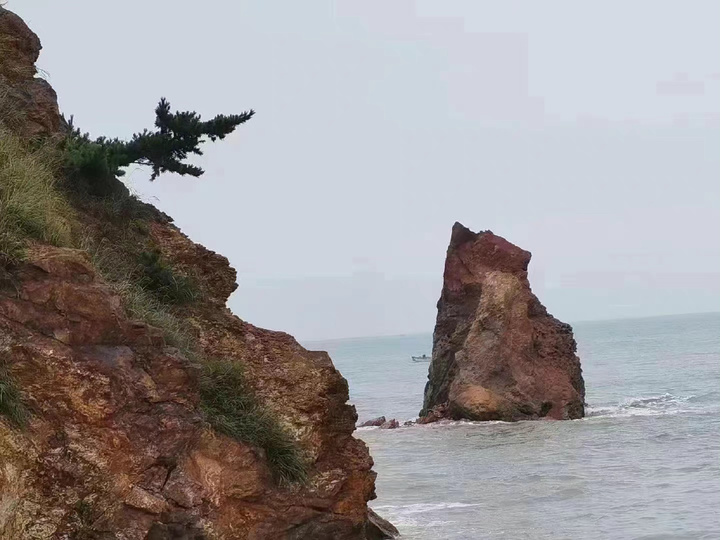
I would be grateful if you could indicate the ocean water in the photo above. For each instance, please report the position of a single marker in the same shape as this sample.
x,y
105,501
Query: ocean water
x,y
644,463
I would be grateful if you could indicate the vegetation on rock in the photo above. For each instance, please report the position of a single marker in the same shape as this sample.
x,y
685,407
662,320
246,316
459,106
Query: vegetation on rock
x,y
31,206
94,164
232,409
99,384
113,263
112,226
11,405
166,284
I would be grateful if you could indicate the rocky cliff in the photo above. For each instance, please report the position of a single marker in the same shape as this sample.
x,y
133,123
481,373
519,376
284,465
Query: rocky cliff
x,y
27,101
104,429
497,353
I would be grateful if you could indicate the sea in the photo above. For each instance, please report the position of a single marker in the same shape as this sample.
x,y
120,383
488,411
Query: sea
x,y
643,464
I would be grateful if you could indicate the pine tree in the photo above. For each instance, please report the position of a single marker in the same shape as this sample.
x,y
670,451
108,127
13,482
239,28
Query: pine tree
x,y
165,149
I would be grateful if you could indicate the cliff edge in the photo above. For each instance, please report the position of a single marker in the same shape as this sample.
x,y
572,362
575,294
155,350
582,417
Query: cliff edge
x,y
497,353
133,404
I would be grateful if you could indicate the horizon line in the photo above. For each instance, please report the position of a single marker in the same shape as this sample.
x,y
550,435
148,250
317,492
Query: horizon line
x,y
583,321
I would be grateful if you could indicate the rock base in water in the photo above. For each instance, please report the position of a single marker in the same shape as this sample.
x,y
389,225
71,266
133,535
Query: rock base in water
x,y
379,421
497,353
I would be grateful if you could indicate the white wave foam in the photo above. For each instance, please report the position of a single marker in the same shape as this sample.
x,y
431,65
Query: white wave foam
x,y
422,508
454,423
643,406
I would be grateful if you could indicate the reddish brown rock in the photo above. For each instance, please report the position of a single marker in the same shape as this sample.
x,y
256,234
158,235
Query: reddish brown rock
x,y
116,420
117,445
437,413
379,421
380,528
27,103
390,424
497,353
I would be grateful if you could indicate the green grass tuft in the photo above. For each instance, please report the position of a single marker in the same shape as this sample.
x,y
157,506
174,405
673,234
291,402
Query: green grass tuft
x,y
232,409
11,405
165,283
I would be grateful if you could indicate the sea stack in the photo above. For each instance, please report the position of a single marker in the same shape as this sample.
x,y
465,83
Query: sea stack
x,y
497,353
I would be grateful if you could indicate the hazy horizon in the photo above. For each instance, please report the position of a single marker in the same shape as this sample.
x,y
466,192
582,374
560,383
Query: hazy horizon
x,y
586,134
572,323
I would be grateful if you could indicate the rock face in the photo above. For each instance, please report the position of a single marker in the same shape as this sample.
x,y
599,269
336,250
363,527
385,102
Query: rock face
x,y
117,446
390,424
26,101
382,528
379,421
116,428
497,353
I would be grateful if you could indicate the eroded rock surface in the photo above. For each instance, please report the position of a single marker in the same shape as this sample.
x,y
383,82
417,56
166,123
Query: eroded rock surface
x,y
116,428
374,422
27,102
497,353
117,446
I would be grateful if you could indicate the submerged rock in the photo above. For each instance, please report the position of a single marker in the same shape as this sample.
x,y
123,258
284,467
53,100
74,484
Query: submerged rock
x,y
390,424
379,421
379,528
497,353
438,412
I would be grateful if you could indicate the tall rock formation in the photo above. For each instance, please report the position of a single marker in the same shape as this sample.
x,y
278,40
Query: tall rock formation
x,y
497,353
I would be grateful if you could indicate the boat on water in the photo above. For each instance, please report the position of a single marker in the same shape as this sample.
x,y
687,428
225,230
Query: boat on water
x,y
423,358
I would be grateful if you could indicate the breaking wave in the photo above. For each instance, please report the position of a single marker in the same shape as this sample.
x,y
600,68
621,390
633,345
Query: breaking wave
x,y
422,516
645,406
422,508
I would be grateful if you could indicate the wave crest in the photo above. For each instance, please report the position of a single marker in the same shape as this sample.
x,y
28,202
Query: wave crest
x,y
644,406
422,508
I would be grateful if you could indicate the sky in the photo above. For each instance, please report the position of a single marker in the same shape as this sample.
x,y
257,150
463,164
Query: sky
x,y
586,133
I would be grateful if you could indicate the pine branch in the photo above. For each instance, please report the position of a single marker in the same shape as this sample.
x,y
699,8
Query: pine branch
x,y
164,150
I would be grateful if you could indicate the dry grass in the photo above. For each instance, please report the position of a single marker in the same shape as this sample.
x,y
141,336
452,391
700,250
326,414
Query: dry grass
x,y
139,303
11,405
12,117
228,403
31,206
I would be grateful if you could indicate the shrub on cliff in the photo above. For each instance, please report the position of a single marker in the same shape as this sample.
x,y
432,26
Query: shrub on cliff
x,y
94,164
116,264
232,409
163,281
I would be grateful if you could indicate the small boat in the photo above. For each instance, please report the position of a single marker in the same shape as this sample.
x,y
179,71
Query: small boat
x,y
423,358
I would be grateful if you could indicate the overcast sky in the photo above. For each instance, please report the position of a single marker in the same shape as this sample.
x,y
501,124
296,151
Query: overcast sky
x,y
587,133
